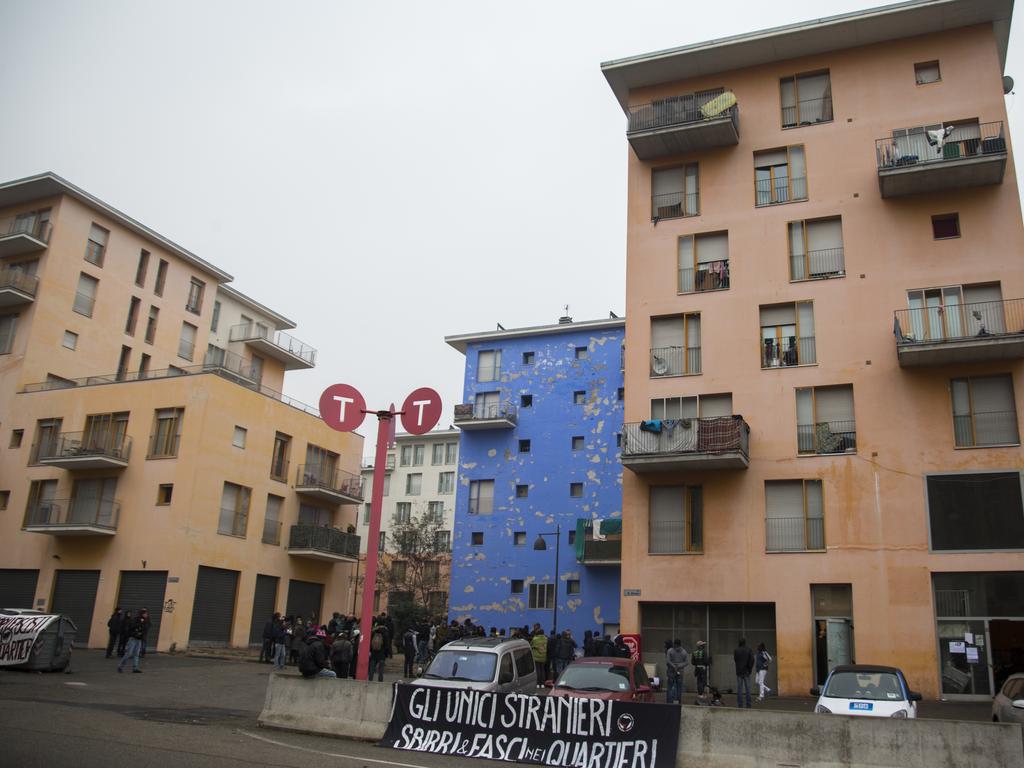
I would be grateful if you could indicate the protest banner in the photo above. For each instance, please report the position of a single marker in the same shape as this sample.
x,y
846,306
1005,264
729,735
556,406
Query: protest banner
x,y
18,634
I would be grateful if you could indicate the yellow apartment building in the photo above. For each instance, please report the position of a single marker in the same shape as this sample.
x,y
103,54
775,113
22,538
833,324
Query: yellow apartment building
x,y
825,293
148,457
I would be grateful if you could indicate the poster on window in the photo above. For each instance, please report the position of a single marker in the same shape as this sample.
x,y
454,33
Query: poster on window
x,y
17,636
541,730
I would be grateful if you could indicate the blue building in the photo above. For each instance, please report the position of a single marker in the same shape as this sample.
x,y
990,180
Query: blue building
x,y
539,462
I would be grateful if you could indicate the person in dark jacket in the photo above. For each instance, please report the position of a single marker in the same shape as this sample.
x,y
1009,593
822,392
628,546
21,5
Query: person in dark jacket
x,y
313,658
137,629
701,660
356,637
621,649
267,651
744,664
588,643
378,652
341,654
122,641
565,651
146,623
114,625
281,638
409,651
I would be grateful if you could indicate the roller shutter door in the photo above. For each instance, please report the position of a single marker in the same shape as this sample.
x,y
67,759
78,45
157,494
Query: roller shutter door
x,y
262,607
304,598
18,588
74,595
144,589
214,607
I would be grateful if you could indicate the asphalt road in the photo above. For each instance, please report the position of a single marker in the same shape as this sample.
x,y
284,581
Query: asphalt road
x,y
185,711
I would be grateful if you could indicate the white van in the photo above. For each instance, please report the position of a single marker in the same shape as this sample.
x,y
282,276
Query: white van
x,y
483,664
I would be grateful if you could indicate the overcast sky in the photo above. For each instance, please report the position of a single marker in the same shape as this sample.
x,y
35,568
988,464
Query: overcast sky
x,y
384,174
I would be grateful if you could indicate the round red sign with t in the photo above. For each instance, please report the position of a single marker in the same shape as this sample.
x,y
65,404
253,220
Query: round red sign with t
x,y
342,407
421,411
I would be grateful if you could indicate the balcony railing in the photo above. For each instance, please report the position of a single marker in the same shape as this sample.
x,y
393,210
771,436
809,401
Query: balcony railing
x,y
73,514
923,148
13,278
709,276
989,428
817,265
674,205
108,447
478,415
807,112
978,321
827,437
272,532
23,235
606,551
663,444
794,534
329,481
279,339
685,123
677,110
330,541
788,351
781,189
674,361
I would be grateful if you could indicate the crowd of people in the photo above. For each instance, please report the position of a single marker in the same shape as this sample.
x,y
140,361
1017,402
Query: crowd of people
x,y
128,634
677,660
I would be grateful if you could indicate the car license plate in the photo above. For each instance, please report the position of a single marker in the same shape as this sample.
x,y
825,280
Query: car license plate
x,y
861,706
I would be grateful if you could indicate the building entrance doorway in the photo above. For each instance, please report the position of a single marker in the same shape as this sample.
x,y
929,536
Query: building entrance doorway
x,y
1007,649
833,628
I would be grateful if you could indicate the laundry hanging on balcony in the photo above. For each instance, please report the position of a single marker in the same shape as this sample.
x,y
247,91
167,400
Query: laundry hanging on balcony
x,y
598,530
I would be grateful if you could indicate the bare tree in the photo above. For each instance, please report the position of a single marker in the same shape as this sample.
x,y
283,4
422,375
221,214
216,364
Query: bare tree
x,y
417,560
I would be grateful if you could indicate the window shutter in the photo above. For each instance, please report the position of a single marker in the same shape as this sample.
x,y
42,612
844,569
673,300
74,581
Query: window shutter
x,y
780,314
666,332
667,507
825,234
834,404
784,498
715,405
712,248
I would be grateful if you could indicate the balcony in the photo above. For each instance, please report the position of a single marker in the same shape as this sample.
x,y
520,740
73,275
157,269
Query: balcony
x,y
788,351
96,449
679,445
913,165
328,484
322,543
287,349
675,361
73,517
960,333
17,287
708,276
23,235
683,124
827,437
601,548
471,416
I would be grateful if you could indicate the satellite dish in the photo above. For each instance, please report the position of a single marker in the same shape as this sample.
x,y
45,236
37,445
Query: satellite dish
x,y
659,366
1007,84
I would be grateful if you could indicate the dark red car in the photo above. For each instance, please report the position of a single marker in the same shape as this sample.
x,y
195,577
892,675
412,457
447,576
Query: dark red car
x,y
604,677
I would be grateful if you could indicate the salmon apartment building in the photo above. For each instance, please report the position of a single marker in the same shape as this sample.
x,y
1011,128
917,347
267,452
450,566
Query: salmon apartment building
x,y
825,293
147,455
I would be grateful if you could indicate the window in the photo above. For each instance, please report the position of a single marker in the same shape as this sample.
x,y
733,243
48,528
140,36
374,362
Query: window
x,y
816,249
279,457
166,433
144,365
431,572
122,363
382,541
517,586
403,512
524,446
787,335
8,326
47,439
526,401
542,597
571,538
577,443
399,570
154,313
387,485
519,538
5,499
476,538
581,353
40,508
445,482
975,511
442,540
481,497
320,466
576,490
437,603
234,510
806,99
794,516
927,72
194,303
70,340
488,366
164,492
435,511
17,435
579,397
85,296
824,418
238,440
367,511
946,226
528,358
187,342
952,312
436,454
161,278
133,316
96,245
417,455
621,394
522,491
487,405
215,319
676,520
780,176
675,192
702,406
413,483
572,586
703,263
984,411
675,345
272,520
140,270
405,456
317,517
451,453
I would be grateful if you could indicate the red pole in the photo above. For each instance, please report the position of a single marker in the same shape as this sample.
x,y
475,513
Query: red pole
x,y
372,547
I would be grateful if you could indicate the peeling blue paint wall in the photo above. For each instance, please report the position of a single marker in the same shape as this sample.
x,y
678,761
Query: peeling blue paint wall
x,y
482,575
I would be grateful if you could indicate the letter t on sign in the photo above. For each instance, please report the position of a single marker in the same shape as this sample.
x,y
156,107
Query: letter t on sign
x,y
342,407
421,411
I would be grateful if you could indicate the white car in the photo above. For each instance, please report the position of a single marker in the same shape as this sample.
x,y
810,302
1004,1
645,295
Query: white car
x,y
1008,705
868,691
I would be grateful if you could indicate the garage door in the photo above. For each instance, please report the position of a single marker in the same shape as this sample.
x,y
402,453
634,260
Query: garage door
x,y
144,589
304,598
74,594
18,588
214,607
262,606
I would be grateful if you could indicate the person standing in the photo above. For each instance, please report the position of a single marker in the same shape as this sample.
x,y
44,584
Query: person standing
x,y
761,661
122,641
146,623
409,651
565,650
136,633
114,624
341,654
701,665
676,661
539,646
281,637
267,651
744,664
378,652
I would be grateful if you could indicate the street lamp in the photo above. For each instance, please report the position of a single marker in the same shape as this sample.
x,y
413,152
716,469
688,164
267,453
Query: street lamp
x,y
541,545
